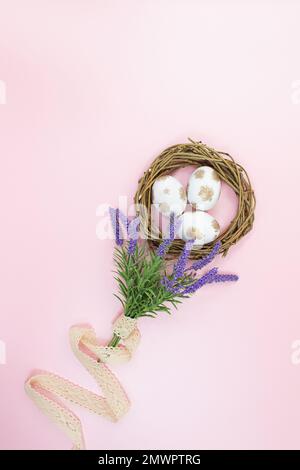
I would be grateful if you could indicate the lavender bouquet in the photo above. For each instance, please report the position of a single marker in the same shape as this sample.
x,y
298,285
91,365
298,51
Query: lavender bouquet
x,y
146,286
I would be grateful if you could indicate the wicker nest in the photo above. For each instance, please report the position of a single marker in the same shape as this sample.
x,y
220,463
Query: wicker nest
x,y
196,154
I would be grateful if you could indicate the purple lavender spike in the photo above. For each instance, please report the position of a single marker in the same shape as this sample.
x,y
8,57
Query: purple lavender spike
x,y
161,250
133,235
169,285
207,259
173,227
225,278
181,263
131,246
205,279
115,222
166,282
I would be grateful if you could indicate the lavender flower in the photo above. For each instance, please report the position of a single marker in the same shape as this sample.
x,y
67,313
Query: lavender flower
x,y
225,278
161,250
167,283
133,235
115,222
131,246
173,227
182,283
117,216
207,259
182,260
205,279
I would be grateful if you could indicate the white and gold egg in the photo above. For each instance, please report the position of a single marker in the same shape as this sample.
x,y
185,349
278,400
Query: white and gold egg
x,y
204,188
200,226
169,195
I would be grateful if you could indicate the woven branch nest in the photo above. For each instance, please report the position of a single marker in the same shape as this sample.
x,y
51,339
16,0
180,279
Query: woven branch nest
x,y
197,154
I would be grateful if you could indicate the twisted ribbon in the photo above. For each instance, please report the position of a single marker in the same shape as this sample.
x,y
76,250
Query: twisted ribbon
x,y
46,389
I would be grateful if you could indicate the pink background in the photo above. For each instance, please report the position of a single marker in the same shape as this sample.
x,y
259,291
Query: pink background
x,y
92,82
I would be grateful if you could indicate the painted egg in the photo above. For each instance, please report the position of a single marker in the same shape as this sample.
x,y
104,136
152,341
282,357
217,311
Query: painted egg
x,y
168,195
200,226
204,188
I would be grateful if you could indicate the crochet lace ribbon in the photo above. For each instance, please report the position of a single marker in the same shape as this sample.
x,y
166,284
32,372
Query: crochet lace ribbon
x,y
47,389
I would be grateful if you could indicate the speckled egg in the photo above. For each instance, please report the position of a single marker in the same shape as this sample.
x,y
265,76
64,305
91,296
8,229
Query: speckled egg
x,y
168,195
200,226
204,188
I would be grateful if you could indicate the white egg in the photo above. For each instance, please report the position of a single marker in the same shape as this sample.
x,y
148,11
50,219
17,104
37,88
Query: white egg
x,y
204,188
168,195
200,226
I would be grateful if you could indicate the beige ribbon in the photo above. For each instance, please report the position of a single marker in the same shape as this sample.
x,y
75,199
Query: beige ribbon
x,y
46,389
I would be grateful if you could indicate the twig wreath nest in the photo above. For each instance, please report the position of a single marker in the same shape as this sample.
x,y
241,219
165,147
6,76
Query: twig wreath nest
x,y
230,172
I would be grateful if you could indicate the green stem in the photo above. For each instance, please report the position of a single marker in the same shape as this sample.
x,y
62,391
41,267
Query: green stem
x,y
114,341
